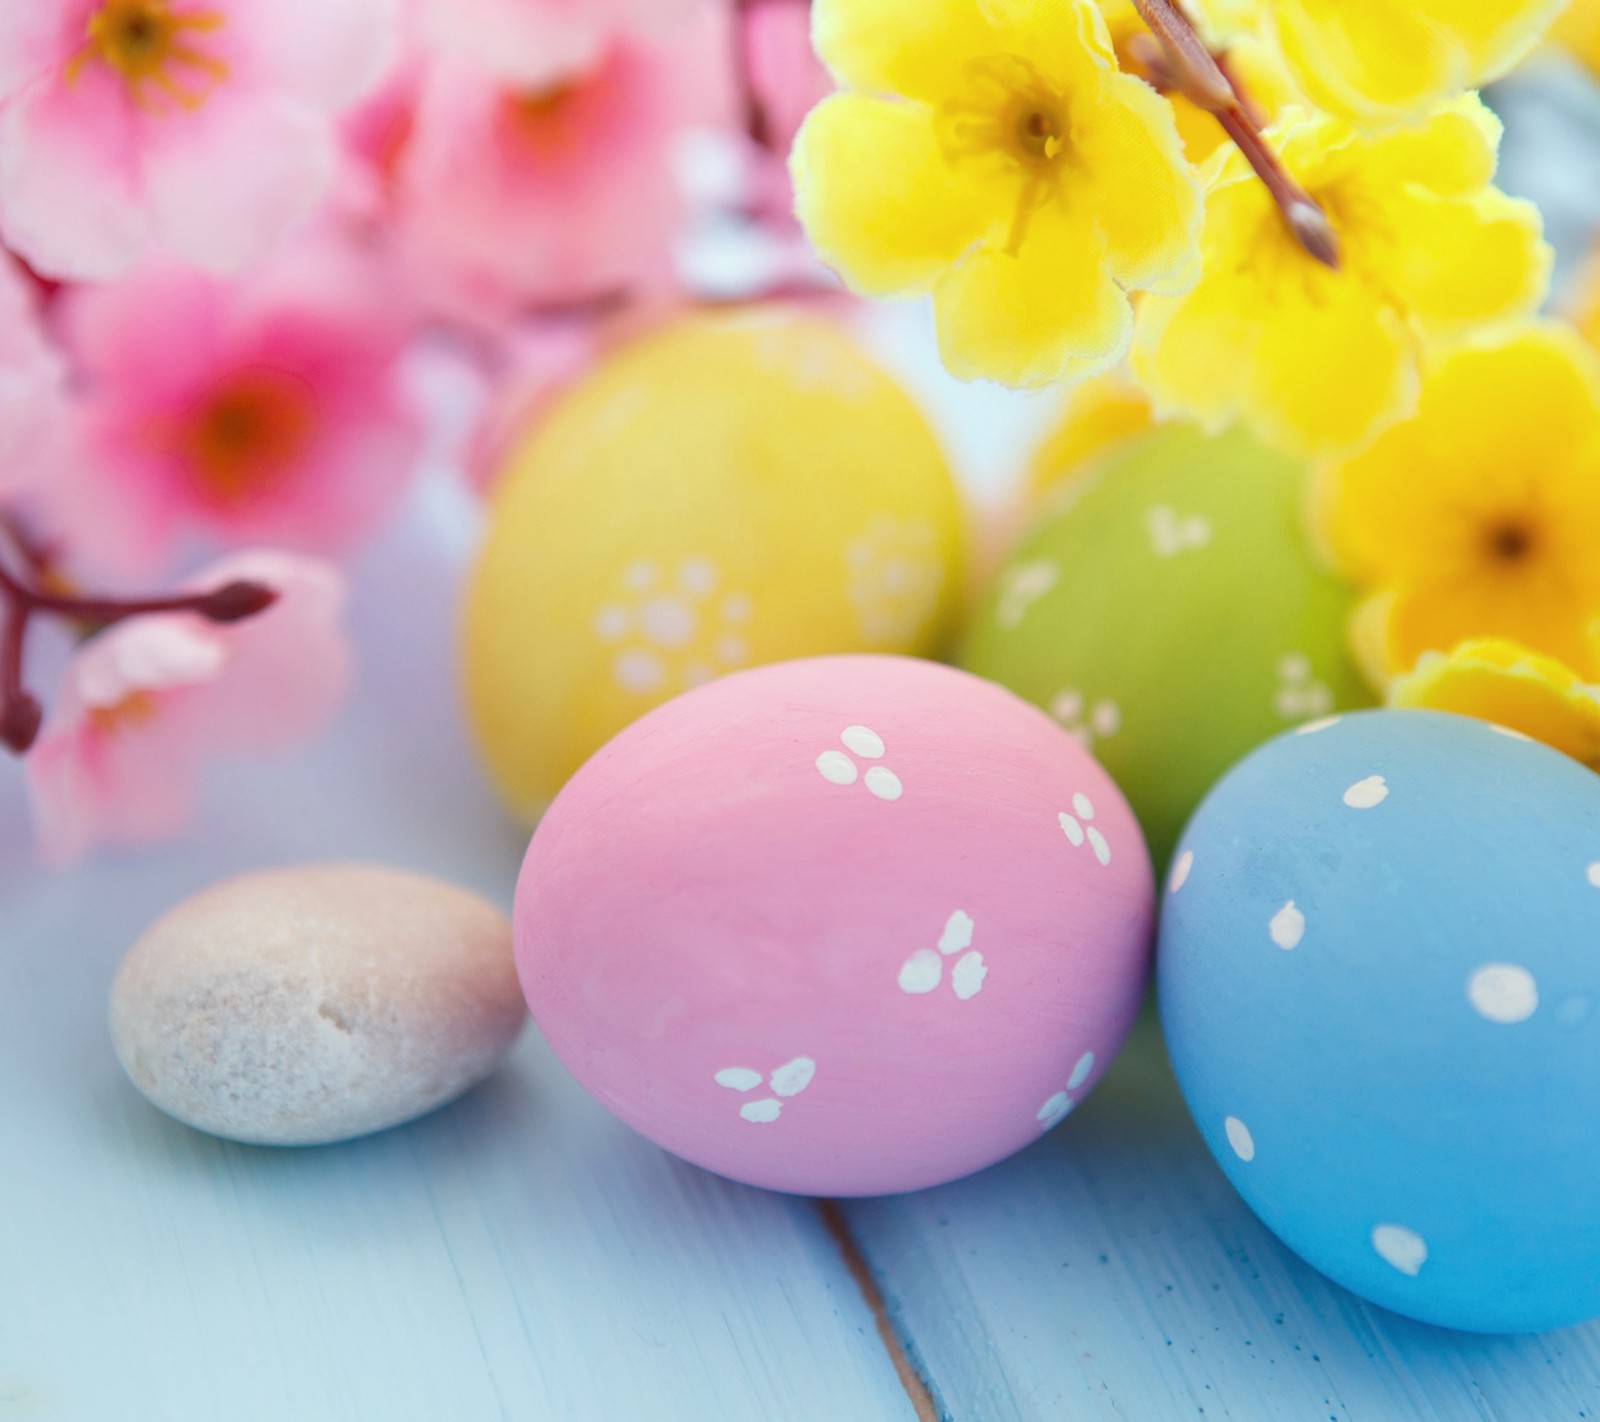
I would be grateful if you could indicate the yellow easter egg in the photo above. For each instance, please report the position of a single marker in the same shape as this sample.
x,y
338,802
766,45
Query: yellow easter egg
x,y
728,490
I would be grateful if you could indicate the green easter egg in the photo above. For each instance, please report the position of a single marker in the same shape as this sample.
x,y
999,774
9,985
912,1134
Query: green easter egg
x,y
1168,610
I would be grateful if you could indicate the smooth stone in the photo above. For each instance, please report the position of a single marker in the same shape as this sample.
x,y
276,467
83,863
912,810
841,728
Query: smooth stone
x,y
302,1005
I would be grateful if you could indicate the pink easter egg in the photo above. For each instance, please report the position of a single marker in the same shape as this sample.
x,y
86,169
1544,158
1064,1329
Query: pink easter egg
x,y
841,926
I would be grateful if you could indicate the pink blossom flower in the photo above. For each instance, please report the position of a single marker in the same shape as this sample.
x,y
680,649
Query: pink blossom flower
x,y
788,81
532,43
265,411
512,197
32,404
197,126
143,705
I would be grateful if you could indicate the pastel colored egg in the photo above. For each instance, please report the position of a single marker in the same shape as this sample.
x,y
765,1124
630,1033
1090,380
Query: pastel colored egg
x,y
727,491
1380,985
313,1003
841,926
1168,611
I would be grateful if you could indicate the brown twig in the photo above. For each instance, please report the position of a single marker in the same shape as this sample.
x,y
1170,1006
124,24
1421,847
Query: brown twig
x,y
1193,70
20,711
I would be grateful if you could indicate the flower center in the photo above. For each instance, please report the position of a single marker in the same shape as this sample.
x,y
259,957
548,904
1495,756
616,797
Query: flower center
x,y
247,435
1006,114
148,45
1510,542
544,121
135,707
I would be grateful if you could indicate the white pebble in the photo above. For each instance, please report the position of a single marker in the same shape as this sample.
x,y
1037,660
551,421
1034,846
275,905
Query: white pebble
x,y
298,1006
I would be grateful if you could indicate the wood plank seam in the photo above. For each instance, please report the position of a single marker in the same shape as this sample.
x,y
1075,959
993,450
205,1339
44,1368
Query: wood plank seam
x,y
916,1387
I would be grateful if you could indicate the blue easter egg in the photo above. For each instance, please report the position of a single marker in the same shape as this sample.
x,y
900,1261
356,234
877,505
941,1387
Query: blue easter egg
x,y
1379,977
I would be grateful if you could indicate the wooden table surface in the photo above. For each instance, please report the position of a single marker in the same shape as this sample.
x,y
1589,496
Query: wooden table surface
x,y
521,1255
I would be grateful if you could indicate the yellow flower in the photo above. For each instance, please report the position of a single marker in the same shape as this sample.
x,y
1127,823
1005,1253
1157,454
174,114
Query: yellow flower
x,y
1099,414
1250,61
1504,683
1317,361
991,152
1479,516
1585,309
1578,30
1384,62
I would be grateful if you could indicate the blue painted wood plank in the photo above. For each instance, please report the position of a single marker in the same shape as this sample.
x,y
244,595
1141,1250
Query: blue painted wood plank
x,y
1111,1272
517,1255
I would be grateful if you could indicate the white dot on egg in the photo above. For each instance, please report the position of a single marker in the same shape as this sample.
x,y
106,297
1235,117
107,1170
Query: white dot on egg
x,y
863,741
736,607
837,768
921,972
1055,1108
957,932
1400,1248
1071,828
1080,1073
1368,793
1312,727
1097,842
1509,731
1083,806
1288,926
638,576
732,650
1180,871
1239,1137
884,783
611,622
1593,874
762,1111
738,1078
1503,992
697,576
638,671
966,978
792,1077
667,622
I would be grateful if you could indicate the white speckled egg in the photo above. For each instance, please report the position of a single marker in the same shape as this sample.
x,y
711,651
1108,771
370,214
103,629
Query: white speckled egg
x,y
298,1006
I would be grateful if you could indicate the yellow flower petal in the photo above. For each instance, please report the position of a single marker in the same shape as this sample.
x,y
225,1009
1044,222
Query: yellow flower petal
x,y
1176,350
876,196
1067,39
1504,683
1414,506
1539,610
1365,61
1381,63
1578,30
917,48
1037,315
1505,262
1146,203
1495,33
1453,154
1331,366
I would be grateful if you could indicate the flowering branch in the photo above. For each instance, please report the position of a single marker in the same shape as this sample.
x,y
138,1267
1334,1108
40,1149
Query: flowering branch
x,y
20,711
1192,69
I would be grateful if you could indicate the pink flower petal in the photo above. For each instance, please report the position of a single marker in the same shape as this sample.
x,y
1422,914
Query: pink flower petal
x,y
37,36
227,178
32,399
289,667
324,52
144,704
70,199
